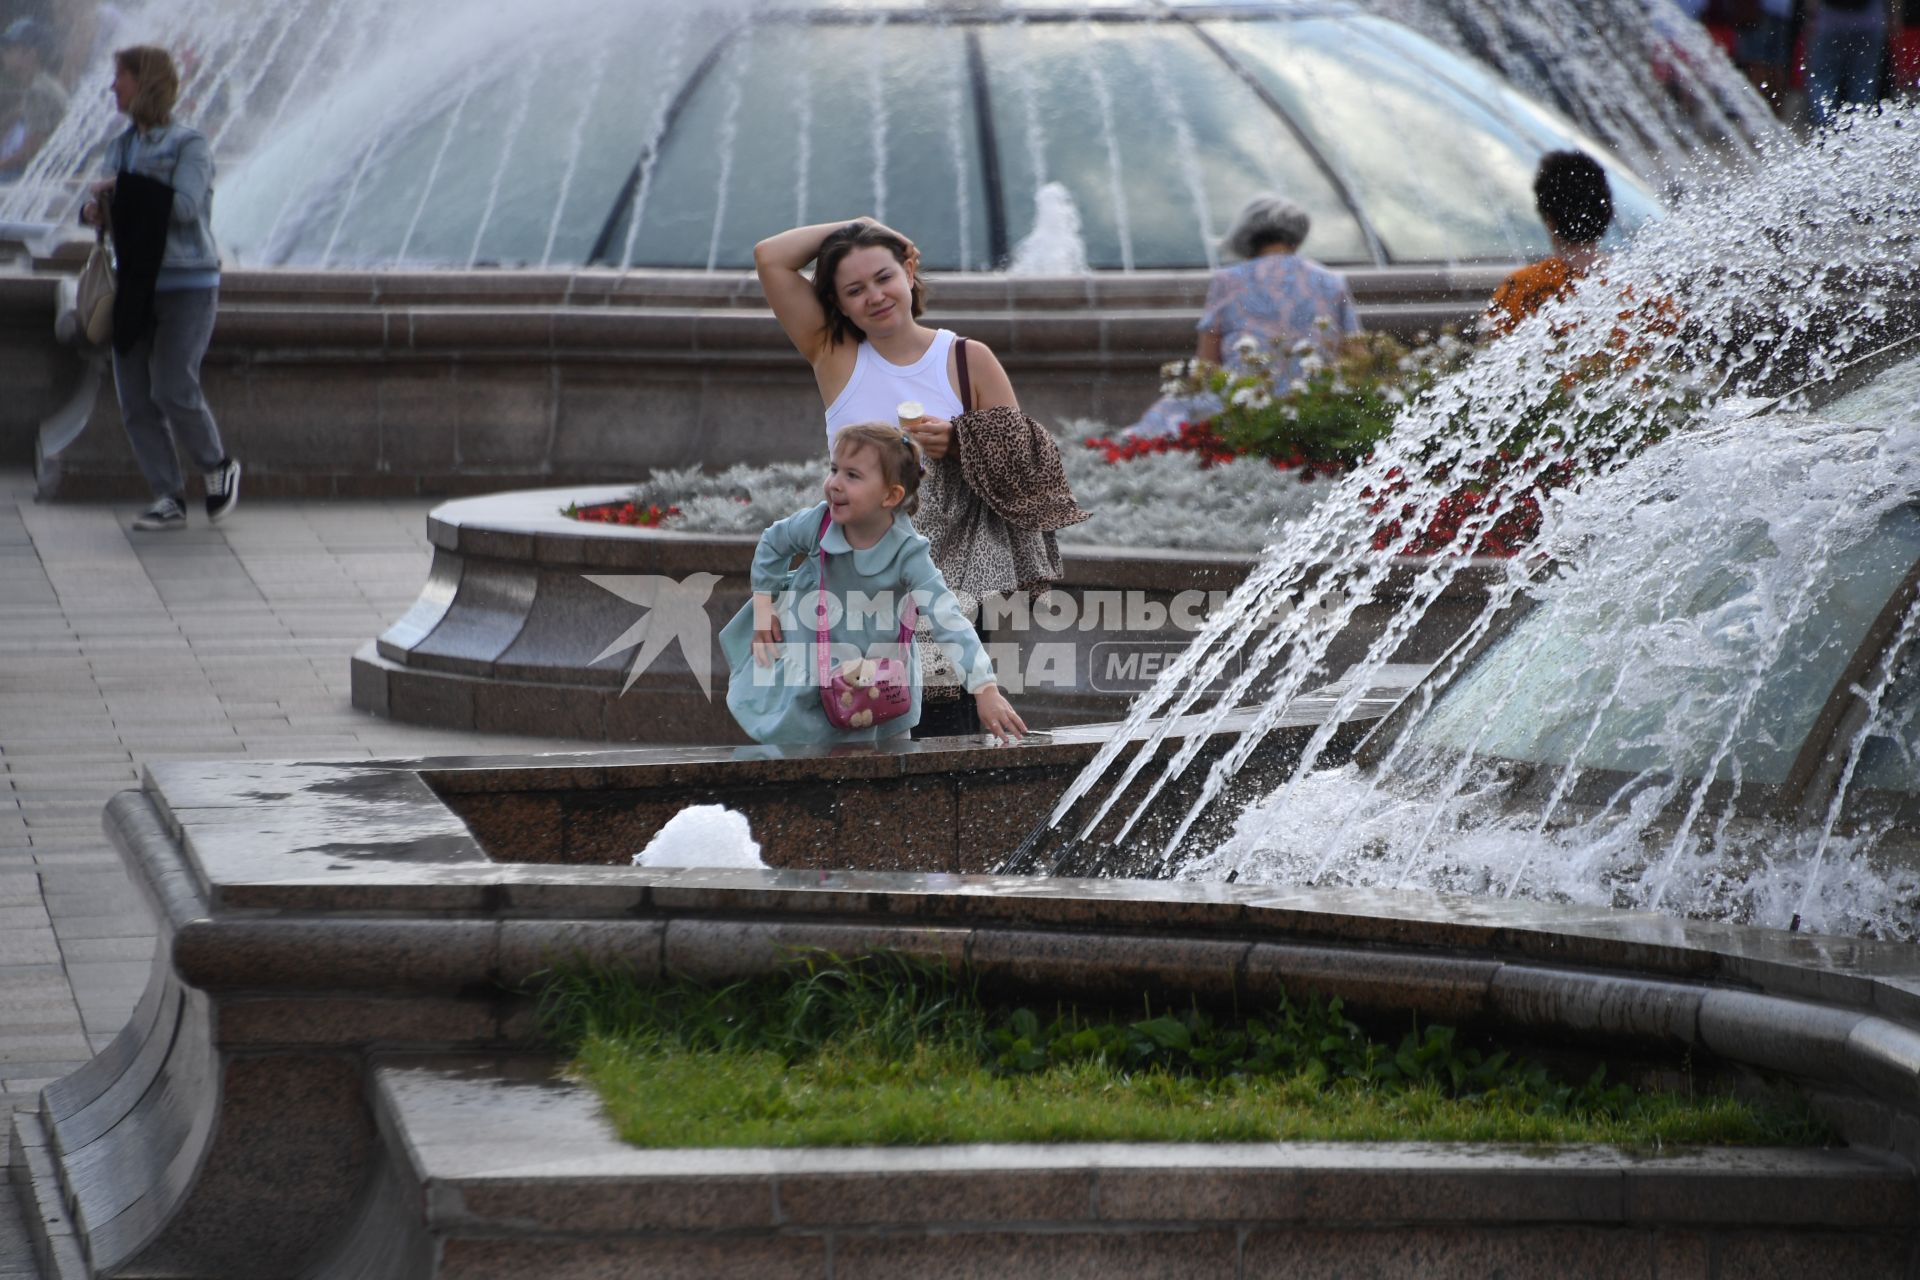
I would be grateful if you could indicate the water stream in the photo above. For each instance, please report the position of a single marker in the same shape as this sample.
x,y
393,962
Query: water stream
x,y
309,102
1699,589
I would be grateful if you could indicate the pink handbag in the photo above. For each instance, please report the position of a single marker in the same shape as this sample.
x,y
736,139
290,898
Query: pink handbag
x,y
862,692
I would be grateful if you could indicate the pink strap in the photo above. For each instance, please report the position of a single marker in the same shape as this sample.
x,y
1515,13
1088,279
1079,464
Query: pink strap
x,y
820,608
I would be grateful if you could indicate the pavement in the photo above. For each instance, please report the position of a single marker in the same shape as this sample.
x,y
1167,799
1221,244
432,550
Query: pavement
x,y
118,648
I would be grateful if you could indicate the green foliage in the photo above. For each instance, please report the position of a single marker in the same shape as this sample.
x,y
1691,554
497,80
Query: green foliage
x,y
888,1002
893,1049
1327,400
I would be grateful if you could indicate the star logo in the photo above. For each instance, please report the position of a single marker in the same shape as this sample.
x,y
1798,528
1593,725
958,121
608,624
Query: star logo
x,y
676,610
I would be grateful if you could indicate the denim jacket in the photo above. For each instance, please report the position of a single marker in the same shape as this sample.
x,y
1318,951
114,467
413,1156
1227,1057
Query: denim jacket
x,y
181,158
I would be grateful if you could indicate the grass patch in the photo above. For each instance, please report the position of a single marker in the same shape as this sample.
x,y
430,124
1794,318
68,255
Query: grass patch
x,y
892,1050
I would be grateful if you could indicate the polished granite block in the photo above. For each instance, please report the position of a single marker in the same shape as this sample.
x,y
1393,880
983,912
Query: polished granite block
x,y
315,919
522,629
517,1158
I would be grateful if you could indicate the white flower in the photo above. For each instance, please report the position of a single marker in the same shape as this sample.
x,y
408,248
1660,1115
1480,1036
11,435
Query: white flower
x,y
1395,395
1298,387
1407,364
1245,345
1312,364
1173,369
1340,387
1304,347
1172,387
1323,322
1252,396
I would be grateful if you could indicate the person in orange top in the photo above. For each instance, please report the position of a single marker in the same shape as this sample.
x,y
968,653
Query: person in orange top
x,y
1571,192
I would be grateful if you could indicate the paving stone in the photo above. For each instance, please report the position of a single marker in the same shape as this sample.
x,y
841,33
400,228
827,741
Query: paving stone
x,y
120,650
130,947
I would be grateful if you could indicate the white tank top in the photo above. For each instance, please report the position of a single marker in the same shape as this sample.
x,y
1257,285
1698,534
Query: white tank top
x,y
877,387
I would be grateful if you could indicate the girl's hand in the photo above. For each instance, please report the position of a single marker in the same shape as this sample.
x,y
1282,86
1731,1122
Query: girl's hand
x,y
997,716
933,435
766,630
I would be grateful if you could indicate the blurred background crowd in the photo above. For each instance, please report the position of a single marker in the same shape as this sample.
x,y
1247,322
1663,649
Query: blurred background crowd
x,y
1810,57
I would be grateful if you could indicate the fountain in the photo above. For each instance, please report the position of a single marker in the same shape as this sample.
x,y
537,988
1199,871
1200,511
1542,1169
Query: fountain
x,y
353,134
480,249
1699,595
336,1071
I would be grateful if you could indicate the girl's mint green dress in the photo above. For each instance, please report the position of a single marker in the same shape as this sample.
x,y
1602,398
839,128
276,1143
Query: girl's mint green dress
x,y
866,591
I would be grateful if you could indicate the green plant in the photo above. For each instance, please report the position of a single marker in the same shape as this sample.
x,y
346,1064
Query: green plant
x,y
895,1049
1305,407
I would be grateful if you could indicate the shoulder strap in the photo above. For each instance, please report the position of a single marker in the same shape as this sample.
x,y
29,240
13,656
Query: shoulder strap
x,y
966,383
820,607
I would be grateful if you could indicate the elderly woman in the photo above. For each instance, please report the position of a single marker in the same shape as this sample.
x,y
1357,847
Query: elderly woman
x,y
1272,302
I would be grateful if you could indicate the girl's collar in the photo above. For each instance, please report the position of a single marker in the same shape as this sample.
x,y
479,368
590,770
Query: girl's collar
x,y
869,559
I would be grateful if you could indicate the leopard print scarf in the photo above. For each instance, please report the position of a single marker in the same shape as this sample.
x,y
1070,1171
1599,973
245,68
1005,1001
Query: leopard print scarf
x,y
990,509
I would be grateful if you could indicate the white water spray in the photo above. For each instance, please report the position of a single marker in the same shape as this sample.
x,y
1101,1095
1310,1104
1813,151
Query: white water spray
x,y
1691,585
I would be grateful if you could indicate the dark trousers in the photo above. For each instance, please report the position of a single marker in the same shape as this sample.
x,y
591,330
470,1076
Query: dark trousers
x,y
955,717
948,717
159,387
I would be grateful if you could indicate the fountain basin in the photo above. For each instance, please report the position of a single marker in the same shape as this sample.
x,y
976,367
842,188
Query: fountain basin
x,y
341,958
522,602
392,383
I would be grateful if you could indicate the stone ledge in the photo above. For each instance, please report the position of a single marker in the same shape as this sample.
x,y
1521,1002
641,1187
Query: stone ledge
x,y
375,384
314,915
500,1163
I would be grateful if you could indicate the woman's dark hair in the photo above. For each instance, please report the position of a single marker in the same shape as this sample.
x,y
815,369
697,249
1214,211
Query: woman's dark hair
x,y
833,251
1570,190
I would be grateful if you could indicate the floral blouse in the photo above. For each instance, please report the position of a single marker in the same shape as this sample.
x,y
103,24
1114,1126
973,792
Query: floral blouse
x,y
1269,304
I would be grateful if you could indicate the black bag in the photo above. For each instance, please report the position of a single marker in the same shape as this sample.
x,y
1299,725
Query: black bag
x,y
142,210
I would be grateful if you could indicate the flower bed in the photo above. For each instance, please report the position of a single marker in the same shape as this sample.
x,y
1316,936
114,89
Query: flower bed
x,y
651,516
1233,505
1280,420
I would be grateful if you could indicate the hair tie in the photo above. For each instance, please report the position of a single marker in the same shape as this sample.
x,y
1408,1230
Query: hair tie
x,y
918,459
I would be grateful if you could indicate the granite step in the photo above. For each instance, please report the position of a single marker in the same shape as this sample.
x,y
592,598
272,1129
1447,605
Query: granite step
x,y
500,1168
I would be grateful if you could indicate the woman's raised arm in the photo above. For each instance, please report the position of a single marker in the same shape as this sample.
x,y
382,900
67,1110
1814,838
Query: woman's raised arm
x,y
778,261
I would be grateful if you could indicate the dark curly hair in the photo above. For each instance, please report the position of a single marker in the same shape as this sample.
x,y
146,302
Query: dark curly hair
x,y
833,251
1570,190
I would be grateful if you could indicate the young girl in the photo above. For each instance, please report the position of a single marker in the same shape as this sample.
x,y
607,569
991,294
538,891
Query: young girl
x,y
875,565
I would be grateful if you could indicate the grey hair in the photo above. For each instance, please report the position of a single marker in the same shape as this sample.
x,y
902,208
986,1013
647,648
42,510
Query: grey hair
x,y
1265,219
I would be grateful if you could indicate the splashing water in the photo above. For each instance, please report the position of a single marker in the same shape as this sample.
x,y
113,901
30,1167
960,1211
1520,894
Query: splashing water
x,y
1054,246
310,103
1708,580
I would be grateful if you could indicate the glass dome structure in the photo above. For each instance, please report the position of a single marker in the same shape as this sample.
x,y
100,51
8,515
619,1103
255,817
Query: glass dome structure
x,y
1125,136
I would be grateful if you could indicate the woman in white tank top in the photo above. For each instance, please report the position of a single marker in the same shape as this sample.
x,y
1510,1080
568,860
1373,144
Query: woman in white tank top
x,y
857,322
